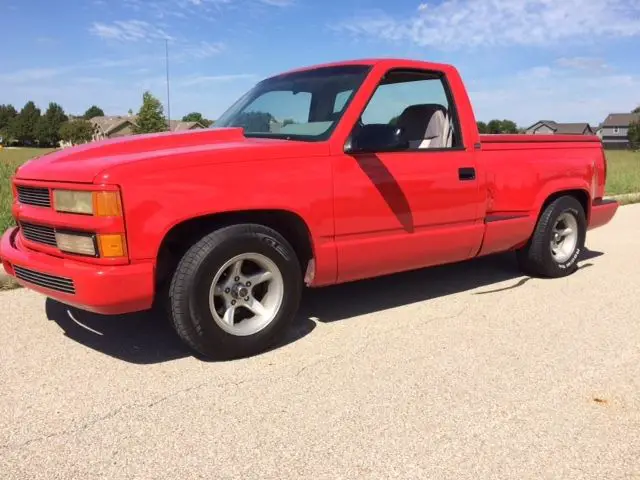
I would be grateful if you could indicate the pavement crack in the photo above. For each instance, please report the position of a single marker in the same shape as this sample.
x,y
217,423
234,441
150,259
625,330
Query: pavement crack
x,y
318,362
174,394
115,412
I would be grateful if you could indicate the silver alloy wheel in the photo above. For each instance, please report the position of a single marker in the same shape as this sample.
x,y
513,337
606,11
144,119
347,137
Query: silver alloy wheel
x,y
564,237
246,294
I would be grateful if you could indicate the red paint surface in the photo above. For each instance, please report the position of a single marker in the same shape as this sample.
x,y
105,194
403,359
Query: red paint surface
x,y
367,215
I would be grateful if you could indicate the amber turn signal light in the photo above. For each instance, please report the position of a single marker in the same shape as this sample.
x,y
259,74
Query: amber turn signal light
x,y
112,246
107,204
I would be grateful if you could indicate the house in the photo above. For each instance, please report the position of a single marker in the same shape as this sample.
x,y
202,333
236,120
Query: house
x,y
549,127
120,126
112,127
615,130
115,126
178,126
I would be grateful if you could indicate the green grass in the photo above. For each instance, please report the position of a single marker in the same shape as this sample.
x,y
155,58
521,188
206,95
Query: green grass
x,y
10,159
623,172
623,175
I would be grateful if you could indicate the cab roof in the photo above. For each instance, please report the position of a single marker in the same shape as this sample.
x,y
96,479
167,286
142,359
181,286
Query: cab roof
x,y
388,62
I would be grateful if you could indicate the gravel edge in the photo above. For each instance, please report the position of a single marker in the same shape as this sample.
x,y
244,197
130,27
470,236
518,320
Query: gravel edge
x,y
7,282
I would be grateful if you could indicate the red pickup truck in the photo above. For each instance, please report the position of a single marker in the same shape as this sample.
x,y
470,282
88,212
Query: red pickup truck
x,y
316,176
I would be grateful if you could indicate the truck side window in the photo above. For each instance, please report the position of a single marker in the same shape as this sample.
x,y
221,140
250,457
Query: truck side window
x,y
418,103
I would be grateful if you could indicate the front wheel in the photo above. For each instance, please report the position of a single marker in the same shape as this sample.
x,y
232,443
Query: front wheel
x,y
235,291
557,241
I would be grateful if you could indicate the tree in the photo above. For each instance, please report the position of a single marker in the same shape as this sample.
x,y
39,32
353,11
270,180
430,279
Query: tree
x,y
254,121
151,117
482,127
197,117
509,126
502,126
93,111
7,113
634,134
636,110
76,131
48,127
494,126
23,126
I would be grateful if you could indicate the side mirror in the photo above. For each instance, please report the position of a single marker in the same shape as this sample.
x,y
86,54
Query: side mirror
x,y
376,137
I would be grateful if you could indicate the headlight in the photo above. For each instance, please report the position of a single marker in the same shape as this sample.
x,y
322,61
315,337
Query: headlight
x,y
73,243
101,204
73,202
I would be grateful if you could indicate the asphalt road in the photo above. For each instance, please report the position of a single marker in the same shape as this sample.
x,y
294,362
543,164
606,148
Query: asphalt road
x,y
465,371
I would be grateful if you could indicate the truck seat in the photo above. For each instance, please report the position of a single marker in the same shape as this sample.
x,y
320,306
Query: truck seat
x,y
426,126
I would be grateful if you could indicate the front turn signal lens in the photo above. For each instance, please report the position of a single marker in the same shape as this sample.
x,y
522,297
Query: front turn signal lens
x,y
107,204
112,246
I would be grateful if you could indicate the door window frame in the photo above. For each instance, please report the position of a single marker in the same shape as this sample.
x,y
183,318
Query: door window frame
x,y
452,108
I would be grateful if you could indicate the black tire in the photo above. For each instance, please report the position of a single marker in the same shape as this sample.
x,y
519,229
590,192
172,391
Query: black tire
x,y
536,257
189,290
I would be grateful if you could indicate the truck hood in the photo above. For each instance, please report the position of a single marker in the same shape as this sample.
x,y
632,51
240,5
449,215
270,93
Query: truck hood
x,y
83,163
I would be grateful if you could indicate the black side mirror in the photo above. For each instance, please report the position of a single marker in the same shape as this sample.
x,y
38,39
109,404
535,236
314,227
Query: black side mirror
x,y
376,137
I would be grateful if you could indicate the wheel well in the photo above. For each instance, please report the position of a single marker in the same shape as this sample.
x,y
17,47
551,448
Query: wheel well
x,y
581,195
182,236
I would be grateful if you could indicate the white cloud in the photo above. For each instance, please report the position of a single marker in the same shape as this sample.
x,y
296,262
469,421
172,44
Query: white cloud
x,y
203,50
32,74
278,3
201,9
582,63
128,31
465,23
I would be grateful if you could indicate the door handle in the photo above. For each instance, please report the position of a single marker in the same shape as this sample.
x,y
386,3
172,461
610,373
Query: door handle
x,y
467,173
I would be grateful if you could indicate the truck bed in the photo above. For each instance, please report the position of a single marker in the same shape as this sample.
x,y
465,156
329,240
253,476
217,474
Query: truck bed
x,y
522,141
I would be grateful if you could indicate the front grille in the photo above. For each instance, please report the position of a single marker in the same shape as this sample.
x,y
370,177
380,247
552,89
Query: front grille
x,y
39,233
36,196
52,282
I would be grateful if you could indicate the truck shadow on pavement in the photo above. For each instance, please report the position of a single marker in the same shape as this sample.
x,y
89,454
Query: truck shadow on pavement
x,y
148,338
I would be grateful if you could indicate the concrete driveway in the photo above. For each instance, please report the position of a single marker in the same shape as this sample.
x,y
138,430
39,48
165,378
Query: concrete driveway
x,y
465,371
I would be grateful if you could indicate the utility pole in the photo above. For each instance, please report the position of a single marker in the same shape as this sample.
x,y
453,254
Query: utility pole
x,y
166,44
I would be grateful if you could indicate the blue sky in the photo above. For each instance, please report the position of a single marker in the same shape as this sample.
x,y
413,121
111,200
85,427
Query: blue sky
x,y
570,60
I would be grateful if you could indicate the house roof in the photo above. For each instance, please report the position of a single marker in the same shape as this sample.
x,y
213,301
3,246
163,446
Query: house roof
x,y
178,126
620,119
571,128
110,123
563,128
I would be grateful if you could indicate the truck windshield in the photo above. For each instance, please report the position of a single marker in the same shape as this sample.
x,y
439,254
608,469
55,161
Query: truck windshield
x,y
303,105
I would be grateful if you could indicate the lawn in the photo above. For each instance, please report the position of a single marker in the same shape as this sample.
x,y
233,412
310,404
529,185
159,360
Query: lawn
x,y
623,172
623,175
10,159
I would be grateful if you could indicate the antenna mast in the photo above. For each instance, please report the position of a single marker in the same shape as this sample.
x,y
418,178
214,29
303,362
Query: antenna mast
x,y
166,43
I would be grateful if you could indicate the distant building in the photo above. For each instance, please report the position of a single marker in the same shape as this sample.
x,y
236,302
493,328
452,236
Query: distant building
x,y
614,131
112,127
549,127
121,126
179,126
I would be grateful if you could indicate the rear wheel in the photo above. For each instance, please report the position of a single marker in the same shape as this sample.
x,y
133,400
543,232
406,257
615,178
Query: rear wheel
x,y
555,246
235,291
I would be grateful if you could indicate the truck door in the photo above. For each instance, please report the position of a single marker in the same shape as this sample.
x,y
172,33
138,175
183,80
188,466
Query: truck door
x,y
410,208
